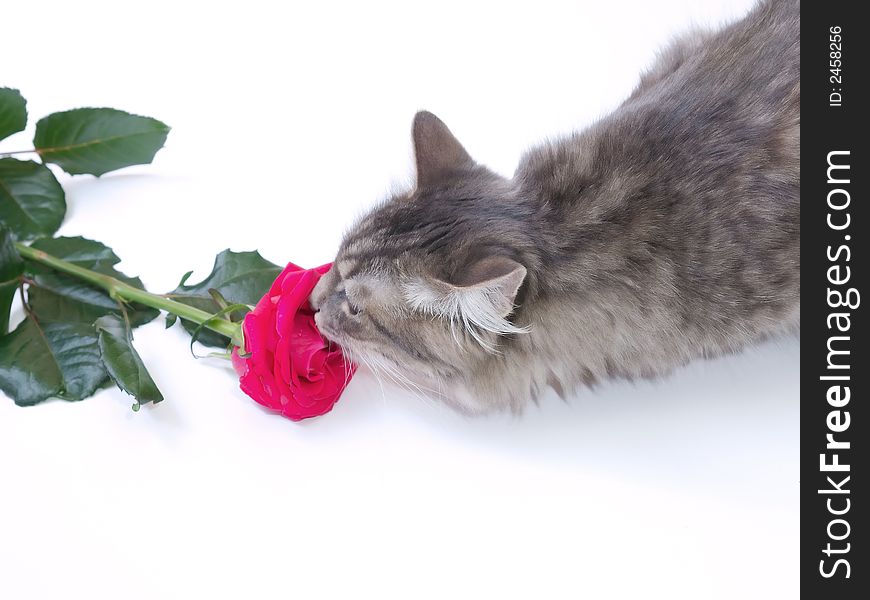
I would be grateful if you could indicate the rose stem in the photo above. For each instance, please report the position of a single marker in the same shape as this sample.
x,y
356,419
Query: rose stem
x,y
119,290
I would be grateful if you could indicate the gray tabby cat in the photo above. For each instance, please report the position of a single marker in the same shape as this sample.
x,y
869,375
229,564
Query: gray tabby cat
x,y
666,232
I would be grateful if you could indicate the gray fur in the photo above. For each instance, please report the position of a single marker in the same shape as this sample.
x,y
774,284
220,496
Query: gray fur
x,y
667,231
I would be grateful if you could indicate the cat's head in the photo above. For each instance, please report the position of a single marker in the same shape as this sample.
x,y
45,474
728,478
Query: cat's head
x,y
429,281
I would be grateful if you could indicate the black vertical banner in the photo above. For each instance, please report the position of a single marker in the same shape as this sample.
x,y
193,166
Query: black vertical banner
x,y
835,221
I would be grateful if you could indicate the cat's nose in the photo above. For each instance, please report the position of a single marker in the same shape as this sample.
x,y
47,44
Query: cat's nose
x,y
315,299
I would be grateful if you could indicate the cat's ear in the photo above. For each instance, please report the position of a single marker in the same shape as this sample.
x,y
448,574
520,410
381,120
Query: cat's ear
x,y
436,149
480,297
494,280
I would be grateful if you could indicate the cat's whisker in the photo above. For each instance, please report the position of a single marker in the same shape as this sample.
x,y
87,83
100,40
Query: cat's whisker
x,y
374,370
404,382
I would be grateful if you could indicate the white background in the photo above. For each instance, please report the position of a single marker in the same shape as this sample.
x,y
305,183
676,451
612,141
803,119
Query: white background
x,y
287,123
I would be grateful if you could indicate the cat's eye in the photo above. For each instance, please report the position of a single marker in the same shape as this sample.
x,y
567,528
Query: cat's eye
x,y
352,308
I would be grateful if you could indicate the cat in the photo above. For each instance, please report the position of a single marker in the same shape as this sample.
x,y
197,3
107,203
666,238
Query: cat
x,y
665,232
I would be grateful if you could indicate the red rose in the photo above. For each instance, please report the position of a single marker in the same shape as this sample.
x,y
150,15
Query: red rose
x,y
289,367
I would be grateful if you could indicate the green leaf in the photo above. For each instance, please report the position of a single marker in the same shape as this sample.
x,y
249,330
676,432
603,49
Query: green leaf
x,y
32,203
43,360
225,314
56,297
11,268
98,140
239,277
171,318
123,363
13,112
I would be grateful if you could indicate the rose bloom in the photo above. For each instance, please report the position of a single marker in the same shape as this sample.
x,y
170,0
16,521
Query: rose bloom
x,y
289,367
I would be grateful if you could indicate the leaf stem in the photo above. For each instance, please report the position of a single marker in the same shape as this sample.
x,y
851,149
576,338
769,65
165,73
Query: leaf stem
x,y
120,290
